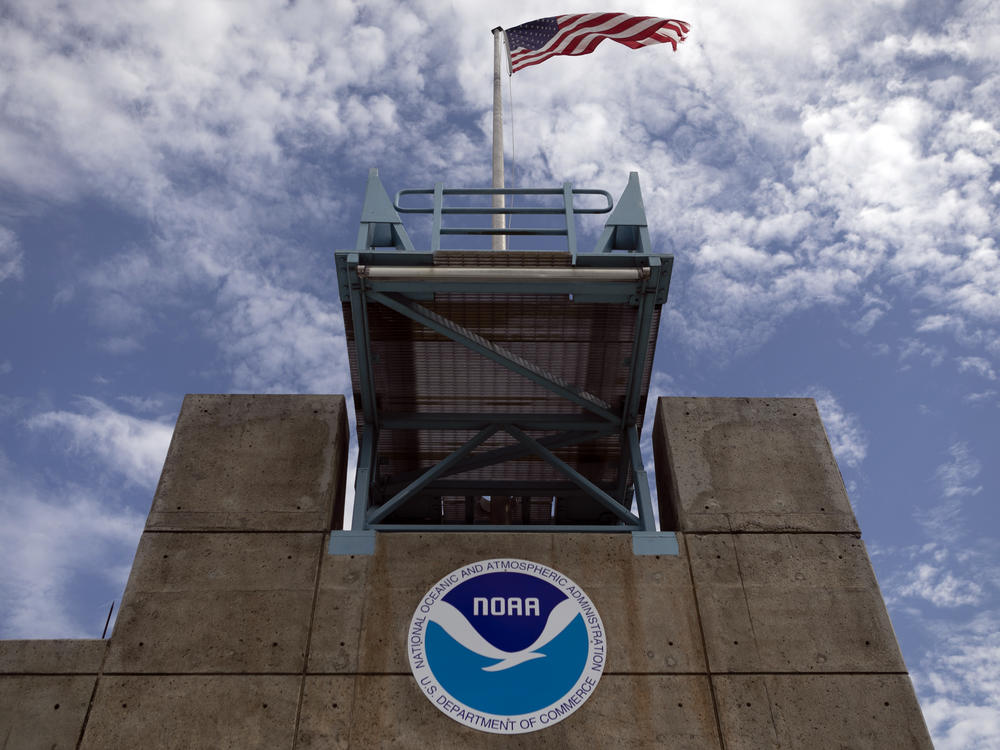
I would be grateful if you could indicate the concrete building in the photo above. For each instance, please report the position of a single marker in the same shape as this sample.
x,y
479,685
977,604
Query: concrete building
x,y
241,627
499,398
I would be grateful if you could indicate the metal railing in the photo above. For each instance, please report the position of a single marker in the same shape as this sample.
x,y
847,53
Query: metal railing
x,y
438,210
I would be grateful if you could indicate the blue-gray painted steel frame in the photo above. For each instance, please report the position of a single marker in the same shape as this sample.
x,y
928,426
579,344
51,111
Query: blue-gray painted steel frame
x,y
384,269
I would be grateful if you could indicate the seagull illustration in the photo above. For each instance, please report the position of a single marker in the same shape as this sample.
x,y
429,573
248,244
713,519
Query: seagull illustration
x,y
458,627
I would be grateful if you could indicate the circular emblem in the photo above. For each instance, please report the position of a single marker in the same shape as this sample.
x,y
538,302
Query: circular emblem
x,y
506,646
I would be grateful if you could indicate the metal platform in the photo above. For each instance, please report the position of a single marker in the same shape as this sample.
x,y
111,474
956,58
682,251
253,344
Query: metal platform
x,y
501,389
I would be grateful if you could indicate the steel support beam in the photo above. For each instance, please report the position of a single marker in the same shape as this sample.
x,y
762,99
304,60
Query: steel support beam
x,y
637,367
550,527
473,421
384,510
533,275
363,478
570,219
573,475
519,487
498,354
359,316
511,452
436,220
607,292
640,481
640,350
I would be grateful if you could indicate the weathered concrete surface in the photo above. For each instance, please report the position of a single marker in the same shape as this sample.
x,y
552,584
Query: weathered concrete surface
x,y
217,602
81,656
338,627
235,620
642,711
254,462
738,464
805,712
327,713
791,602
187,712
645,602
43,712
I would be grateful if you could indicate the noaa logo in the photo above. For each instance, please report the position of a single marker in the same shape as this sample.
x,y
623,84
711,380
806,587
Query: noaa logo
x,y
506,646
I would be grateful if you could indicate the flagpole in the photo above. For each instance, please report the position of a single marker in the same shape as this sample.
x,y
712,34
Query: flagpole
x,y
499,220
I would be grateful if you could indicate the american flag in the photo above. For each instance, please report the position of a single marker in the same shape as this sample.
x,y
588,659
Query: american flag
x,y
537,41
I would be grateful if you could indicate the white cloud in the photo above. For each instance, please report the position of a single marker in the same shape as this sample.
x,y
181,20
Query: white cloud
x,y
958,684
808,177
911,347
975,398
49,537
932,588
6,367
219,129
939,586
894,186
957,475
847,438
281,340
978,365
867,321
874,306
943,520
11,256
131,446
147,404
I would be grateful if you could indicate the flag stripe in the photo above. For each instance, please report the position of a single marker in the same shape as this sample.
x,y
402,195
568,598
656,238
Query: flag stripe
x,y
580,34
569,41
568,25
571,28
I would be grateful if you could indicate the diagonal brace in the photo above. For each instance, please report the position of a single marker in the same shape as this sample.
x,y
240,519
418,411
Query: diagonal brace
x,y
359,313
497,353
578,479
380,513
512,452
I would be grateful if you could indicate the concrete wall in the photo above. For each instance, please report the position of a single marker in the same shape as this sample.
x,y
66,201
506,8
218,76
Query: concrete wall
x,y
45,690
800,651
238,628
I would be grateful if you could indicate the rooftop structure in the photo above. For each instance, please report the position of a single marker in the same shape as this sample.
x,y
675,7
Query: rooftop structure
x,y
501,388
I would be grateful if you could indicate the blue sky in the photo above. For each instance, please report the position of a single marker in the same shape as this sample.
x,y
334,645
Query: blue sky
x,y
175,176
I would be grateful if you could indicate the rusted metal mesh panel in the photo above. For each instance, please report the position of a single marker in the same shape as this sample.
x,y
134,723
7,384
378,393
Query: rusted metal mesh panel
x,y
417,370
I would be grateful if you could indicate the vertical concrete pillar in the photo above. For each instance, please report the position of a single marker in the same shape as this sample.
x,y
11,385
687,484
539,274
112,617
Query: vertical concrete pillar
x,y
800,650
210,644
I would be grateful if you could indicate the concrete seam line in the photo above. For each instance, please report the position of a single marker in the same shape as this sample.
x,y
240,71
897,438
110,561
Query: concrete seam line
x,y
93,690
371,572
682,538
216,530
312,622
760,532
320,673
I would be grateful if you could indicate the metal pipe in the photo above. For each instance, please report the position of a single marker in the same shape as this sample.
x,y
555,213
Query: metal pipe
x,y
452,273
499,220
